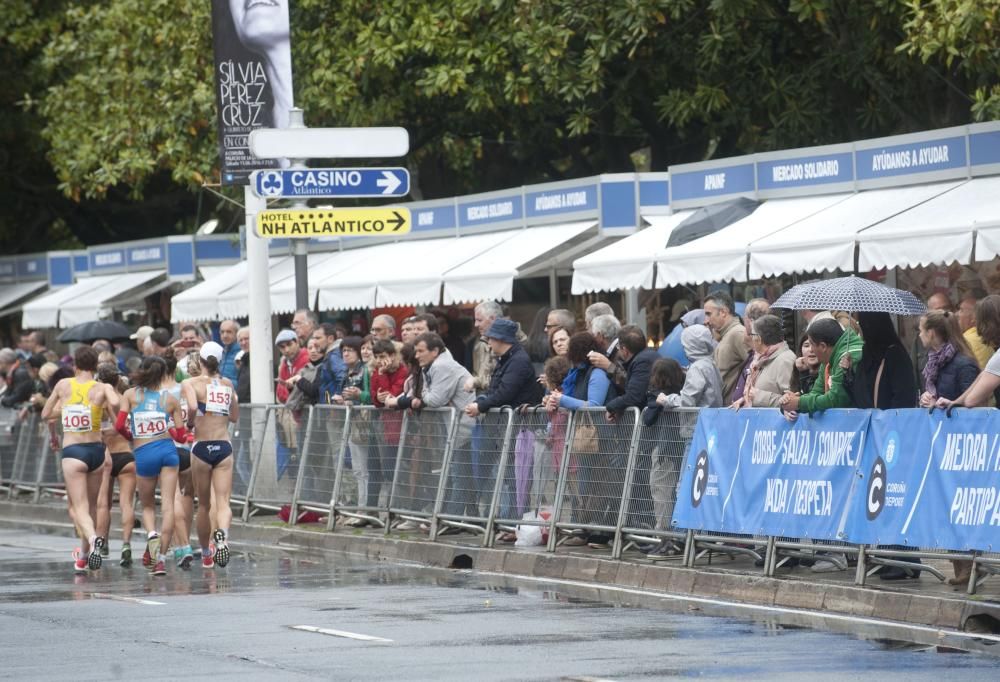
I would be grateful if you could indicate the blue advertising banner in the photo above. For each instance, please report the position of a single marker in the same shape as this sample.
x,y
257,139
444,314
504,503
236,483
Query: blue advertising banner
x,y
805,171
711,182
751,471
930,481
907,159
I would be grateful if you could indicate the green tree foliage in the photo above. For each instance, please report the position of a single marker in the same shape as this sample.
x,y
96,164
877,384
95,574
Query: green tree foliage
x,y
118,97
963,35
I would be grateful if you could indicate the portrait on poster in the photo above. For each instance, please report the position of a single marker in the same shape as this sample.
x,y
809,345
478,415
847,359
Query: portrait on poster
x,y
253,79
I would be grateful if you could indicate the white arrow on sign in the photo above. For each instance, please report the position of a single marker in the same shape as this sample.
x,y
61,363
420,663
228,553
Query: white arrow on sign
x,y
389,181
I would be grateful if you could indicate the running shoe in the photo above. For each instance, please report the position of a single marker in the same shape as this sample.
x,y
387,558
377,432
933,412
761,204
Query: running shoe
x,y
183,556
152,550
105,550
221,553
159,568
206,558
79,563
95,558
126,560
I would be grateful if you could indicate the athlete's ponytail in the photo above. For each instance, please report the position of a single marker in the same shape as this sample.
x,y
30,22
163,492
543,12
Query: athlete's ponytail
x,y
210,364
151,372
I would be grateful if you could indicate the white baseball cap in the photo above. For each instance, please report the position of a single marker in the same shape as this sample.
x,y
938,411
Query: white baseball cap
x,y
142,333
211,350
284,336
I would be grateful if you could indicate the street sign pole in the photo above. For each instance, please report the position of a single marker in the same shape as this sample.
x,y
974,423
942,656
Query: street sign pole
x,y
300,247
259,291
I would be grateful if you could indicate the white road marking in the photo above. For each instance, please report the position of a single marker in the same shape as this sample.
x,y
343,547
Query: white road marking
x,y
940,633
131,600
339,633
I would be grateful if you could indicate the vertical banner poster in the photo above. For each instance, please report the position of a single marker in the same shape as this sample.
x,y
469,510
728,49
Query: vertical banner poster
x,y
751,471
253,79
930,481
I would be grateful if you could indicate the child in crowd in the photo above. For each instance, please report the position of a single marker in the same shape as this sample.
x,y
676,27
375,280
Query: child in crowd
x,y
655,500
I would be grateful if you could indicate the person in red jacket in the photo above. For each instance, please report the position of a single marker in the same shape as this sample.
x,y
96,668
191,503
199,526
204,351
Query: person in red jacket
x,y
293,359
388,379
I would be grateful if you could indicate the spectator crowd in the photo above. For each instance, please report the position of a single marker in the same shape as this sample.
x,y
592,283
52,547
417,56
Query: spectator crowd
x,y
566,364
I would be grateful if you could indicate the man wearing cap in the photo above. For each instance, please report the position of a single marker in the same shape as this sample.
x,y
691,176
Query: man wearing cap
x,y
293,359
513,381
141,334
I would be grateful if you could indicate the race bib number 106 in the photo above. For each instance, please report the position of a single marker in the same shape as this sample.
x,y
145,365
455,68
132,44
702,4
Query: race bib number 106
x,y
76,419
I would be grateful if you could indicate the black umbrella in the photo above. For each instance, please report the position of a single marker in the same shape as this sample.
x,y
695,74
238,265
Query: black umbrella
x,y
709,219
88,332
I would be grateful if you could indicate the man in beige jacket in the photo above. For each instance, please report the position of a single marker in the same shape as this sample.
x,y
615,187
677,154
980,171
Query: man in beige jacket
x,y
731,352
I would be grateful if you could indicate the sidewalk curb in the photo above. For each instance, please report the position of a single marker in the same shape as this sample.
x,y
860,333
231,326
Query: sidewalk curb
x,y
707,582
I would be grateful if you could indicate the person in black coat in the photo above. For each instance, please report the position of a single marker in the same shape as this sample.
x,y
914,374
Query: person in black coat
x,y
22,382
884,380
951,367
513,381
885,365
638,360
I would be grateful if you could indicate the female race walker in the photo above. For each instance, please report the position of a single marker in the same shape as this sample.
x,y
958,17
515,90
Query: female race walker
x,y
80,402
146,411
121,468
212,464
184,499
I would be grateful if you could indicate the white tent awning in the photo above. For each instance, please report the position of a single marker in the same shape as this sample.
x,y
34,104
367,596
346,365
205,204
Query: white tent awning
x,y
98,303
826,240
201,302
628,263
83,301
491,274
401,273
11,295
937,231
722,256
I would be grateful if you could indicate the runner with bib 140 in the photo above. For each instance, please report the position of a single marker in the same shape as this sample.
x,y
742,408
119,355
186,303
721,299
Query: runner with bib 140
x,y
212,400
79,403
146,411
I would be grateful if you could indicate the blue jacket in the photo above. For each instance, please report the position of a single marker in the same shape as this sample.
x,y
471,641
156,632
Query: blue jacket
x,y
227,366
956,377
331,376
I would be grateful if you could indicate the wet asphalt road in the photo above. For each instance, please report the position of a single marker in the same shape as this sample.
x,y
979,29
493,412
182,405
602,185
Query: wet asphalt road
x,y
388,622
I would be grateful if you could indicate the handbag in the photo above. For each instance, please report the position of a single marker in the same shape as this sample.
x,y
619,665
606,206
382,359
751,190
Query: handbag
x,y
585,436
289,428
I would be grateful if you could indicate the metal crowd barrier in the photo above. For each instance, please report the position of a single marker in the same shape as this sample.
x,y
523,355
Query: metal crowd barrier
x,y
653,480
276,460
592,477
575,474
322,451
472,488
23,477
248,431
421,466
10,426
526,473
366,467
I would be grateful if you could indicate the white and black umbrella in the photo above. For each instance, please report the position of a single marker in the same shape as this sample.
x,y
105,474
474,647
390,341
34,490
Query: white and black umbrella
x,y
851,294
